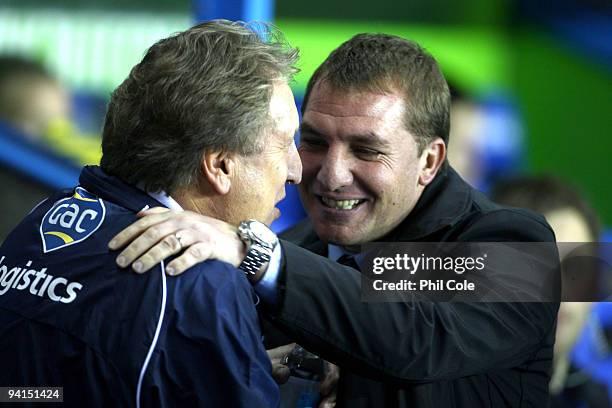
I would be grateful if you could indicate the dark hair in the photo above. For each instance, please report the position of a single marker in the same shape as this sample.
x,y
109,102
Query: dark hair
x,y
545,194
14,65
207,88
386,63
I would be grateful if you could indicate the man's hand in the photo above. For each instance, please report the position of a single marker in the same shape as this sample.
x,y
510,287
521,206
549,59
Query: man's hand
x,y
278,357
160,233
329,385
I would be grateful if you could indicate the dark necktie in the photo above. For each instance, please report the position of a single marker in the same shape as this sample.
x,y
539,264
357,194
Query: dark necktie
x,y
349,260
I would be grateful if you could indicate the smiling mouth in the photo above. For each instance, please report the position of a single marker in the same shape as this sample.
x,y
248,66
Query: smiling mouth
x,y
345,205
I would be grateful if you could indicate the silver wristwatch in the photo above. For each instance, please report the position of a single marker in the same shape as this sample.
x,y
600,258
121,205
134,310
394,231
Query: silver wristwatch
x,y
260,242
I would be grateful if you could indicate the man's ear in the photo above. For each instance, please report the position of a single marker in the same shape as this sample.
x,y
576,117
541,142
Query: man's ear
x,y
219,169
431,160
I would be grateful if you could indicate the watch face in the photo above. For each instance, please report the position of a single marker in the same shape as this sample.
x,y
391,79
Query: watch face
x,y
261,232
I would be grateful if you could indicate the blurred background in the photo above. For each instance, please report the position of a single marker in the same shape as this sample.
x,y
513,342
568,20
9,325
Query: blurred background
x,y
531,84
531,80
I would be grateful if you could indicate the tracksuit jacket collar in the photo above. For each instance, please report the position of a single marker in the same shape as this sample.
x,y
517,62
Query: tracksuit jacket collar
x,y
110,188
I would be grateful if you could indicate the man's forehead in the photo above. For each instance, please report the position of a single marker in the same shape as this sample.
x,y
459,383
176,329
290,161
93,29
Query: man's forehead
x,y
362,116
282,107
354,102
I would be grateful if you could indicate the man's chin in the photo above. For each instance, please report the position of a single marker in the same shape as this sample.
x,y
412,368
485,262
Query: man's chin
x,y
276,213
343,236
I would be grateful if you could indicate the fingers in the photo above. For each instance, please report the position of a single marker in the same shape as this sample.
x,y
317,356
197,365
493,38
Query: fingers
x,y
193,255
153,238
328,402
329,385
135,229
280,373
153,245
332,374
154,210
278,354
171,244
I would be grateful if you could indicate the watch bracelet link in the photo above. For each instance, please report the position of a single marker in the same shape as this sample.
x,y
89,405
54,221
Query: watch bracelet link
x,y
253,260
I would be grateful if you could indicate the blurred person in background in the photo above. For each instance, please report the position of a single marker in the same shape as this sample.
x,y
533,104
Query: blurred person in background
x,y
38,105
574,221
487,137
35,110
468,121
30,97
206,123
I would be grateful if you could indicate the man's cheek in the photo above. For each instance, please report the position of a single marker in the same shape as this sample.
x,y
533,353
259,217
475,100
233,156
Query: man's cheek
x,y
309,159
309,177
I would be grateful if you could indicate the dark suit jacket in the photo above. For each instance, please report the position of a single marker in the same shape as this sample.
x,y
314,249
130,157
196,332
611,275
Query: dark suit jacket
x,y
422,354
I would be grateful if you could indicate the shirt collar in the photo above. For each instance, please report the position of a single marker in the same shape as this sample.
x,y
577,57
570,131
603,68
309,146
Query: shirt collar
x,y
165,199
334,252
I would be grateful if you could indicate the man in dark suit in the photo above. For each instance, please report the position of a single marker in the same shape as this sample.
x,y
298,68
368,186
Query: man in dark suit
x,y
373,146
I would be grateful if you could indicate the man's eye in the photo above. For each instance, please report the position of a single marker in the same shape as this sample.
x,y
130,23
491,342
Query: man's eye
x,y
366,152
312,142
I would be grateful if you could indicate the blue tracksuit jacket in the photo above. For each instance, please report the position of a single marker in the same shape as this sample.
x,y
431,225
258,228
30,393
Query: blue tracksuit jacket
x,y
70,317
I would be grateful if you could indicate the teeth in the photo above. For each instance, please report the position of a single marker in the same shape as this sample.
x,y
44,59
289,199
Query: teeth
x,y
341,204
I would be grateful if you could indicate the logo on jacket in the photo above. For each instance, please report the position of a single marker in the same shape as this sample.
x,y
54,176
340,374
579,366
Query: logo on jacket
x,y
71,220
37,282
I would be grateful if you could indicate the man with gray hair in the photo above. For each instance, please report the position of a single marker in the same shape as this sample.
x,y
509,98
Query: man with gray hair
x,y
204,123
374,132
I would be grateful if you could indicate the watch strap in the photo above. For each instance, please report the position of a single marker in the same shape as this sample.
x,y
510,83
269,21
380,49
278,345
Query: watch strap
x,y
256,256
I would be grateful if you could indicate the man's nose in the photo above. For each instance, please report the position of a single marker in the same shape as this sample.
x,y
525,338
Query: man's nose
x,y
294,171
335,171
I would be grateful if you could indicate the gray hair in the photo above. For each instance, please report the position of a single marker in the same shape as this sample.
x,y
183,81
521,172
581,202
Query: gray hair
x,y
204,89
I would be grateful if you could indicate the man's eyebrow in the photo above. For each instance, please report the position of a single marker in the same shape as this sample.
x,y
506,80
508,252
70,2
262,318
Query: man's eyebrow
x,y
305,127
366,139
